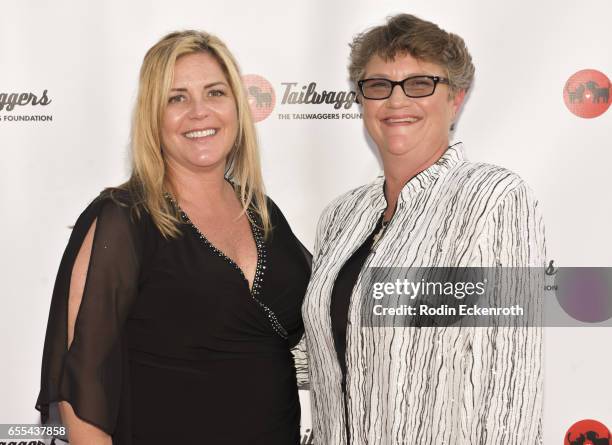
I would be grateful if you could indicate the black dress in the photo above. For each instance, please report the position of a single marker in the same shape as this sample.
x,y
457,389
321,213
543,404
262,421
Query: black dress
x,y
170,344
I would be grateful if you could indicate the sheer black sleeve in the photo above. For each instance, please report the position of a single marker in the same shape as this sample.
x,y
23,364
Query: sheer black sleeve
x,y
90,374
297,340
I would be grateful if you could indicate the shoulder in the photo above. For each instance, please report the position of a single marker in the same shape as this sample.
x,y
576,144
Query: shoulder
x,y
278,221
353,200
281,225
273,208
123,203
274,212
112,207
119,198
484,173
478,180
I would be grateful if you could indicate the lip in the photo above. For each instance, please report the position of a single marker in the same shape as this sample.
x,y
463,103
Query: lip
x,y
204,129
400,120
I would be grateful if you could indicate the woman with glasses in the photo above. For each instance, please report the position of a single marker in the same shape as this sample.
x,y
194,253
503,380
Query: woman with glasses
x,y
431,208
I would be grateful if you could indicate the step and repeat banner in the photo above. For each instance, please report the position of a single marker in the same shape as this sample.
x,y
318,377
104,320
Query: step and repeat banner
x,y
538,106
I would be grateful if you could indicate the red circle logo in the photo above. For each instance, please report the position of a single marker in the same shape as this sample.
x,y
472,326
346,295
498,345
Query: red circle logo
x,y
587,93
588,432
261,96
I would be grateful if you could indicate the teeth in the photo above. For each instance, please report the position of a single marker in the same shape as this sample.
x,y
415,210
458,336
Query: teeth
x,y
200,133
409,120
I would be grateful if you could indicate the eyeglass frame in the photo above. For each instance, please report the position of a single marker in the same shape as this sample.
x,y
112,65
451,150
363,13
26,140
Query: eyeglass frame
x,y
436,80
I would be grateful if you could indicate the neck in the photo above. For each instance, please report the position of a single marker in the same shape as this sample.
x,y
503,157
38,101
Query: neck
x,y
399,170
206,187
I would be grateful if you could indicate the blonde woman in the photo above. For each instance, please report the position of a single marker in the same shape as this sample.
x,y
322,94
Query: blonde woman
x,y
178,297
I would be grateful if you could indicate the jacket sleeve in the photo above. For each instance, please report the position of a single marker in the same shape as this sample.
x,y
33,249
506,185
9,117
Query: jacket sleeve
x,y
300,359
507,370
514,233
91,373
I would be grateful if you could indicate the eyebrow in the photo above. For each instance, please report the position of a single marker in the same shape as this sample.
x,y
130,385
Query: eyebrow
x,y
208,85
384,76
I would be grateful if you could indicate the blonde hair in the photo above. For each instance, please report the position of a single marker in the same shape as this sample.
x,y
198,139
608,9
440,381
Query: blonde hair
x,y
148,184
423,40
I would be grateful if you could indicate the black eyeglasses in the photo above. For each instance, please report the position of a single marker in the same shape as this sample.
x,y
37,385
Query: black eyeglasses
x,y
414,86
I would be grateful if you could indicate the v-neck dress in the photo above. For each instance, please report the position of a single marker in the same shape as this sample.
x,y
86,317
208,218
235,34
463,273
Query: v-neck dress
x,y
170,344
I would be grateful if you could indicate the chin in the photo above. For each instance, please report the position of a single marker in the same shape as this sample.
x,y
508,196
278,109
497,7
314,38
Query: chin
x,y
212,163
202,162
209,157
399,149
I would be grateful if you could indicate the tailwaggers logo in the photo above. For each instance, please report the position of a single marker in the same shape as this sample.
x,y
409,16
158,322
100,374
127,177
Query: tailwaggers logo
x,y
330,104
16,107
587,93
261,96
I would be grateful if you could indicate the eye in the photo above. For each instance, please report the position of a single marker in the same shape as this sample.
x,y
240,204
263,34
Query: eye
x,y
217,93
177,98
420,82
378,84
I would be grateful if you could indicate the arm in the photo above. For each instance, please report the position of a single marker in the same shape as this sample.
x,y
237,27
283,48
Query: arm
x,y
79,431
84,369
507,371
514,233
299,351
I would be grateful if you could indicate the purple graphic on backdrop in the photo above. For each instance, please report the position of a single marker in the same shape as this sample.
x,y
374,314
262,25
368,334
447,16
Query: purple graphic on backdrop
x,y
585,293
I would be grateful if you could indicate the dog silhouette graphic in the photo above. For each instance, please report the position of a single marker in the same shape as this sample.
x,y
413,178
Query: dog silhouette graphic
x,y
262,99
577,94
598,93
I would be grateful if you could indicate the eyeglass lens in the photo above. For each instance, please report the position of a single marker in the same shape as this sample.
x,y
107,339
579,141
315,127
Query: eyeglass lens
x,y
414,87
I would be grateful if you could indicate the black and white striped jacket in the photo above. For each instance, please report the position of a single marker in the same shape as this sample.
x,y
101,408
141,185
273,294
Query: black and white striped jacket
x,y
433,385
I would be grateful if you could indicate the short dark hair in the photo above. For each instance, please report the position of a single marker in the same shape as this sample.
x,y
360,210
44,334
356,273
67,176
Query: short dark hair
x,y
423,40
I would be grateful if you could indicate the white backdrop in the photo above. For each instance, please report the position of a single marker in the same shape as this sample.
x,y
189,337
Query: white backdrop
x,y
87,55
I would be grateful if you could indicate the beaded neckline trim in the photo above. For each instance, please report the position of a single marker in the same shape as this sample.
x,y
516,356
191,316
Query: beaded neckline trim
x,y
259,268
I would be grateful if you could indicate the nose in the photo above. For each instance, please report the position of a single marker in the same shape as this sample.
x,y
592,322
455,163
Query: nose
x,y
398,97
198,109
